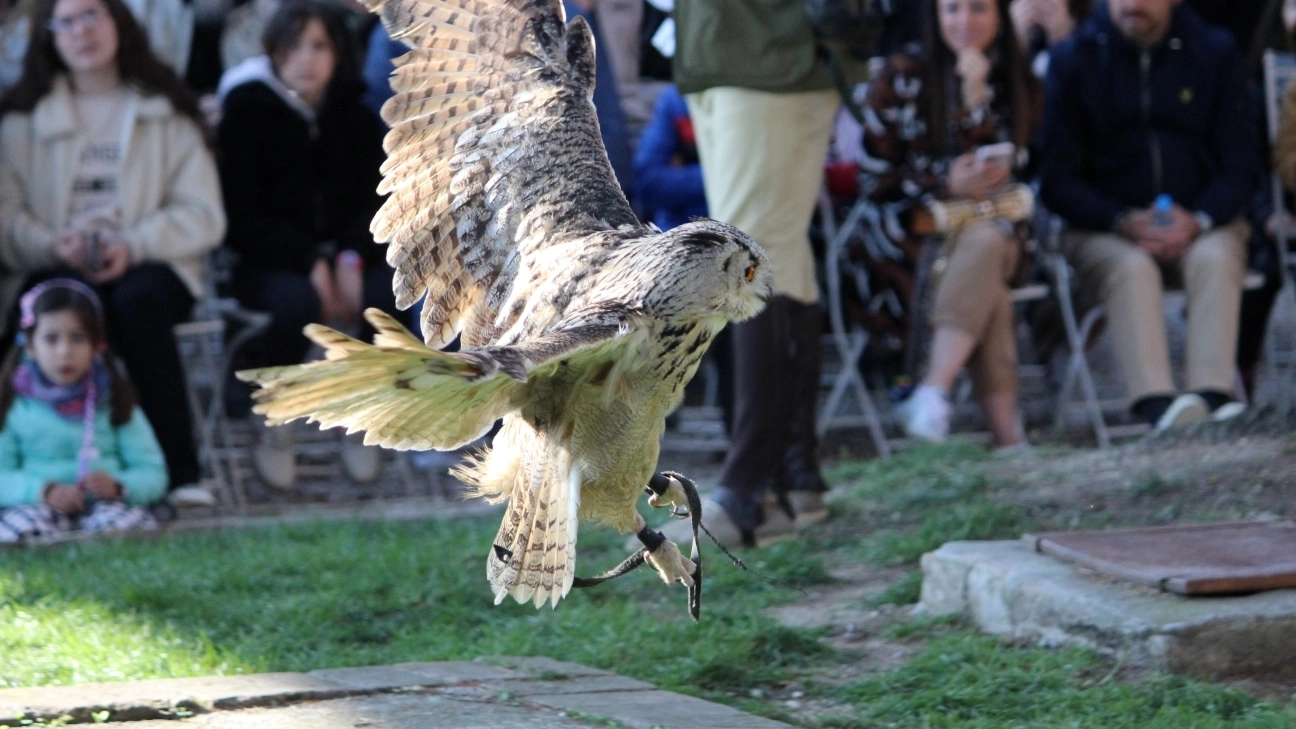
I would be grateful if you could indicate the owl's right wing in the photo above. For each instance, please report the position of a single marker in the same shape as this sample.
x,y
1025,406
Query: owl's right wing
x,y
404,395
494,152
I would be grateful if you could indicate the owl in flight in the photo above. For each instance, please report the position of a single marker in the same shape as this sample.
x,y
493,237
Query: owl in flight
x,y
579,326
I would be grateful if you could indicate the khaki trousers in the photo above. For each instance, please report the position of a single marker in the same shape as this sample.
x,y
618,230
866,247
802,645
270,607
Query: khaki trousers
x,y
1129,283
762,158
972,294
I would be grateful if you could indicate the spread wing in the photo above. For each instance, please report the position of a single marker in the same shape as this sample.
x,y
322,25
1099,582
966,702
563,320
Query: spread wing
x,y
494,152
407,396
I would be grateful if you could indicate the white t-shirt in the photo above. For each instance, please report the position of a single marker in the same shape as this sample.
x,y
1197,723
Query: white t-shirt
x,y
102,118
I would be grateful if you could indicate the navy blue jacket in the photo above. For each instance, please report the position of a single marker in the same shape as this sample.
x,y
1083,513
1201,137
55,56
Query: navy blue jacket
x,y
1116,134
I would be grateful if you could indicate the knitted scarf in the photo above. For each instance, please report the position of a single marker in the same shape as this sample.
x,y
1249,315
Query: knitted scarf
x,y
74,402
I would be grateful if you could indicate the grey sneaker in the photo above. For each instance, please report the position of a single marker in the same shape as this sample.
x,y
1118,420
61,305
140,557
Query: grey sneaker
x,y
1186,409
361,463
778,526
808,506
193,494
274,458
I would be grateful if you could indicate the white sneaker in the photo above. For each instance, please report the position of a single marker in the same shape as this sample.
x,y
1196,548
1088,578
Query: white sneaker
x,y
1186,409
361,463
274,458
1228,411
193,494
925,415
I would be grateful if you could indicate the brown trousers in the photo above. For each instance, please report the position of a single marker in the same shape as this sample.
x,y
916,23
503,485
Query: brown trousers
x,y
1129,283
972,294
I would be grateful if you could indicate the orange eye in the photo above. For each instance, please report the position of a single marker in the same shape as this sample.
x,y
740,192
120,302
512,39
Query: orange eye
x,y
750,274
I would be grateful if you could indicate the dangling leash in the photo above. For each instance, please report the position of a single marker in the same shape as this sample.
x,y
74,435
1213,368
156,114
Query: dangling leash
x,y
652,539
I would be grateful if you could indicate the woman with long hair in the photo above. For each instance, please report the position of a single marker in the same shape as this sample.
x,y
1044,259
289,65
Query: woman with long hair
x,y
105,175
300,158
954,123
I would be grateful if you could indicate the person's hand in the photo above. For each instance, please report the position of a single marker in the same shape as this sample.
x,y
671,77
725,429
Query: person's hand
x,y
70,248
348,274
1168,240
1025,17
321,277
103,486
65,499
114,260
976,178
973,68
1055,18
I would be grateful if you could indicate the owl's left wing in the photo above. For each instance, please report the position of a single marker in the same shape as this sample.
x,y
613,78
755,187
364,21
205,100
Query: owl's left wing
x,y
404,395
494,153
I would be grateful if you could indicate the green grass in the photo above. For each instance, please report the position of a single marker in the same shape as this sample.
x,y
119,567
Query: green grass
x,y
307,596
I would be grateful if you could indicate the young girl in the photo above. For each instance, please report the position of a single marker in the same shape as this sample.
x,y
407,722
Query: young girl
x,y
75,450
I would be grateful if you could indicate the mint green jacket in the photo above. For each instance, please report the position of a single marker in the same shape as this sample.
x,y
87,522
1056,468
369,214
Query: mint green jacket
x,y
38,446
766,45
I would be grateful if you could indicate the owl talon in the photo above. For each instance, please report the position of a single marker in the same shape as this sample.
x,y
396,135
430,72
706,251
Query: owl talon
x,y
664,490
670,563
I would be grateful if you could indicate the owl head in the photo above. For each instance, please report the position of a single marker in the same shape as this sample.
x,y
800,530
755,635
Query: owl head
x,y
731,275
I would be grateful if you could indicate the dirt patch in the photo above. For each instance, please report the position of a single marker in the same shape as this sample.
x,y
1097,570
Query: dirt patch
x,y
1245,469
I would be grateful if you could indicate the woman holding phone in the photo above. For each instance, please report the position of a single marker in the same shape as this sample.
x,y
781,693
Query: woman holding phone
x,y
949,125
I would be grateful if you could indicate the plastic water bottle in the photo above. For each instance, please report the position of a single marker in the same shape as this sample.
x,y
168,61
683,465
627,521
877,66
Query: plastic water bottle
x,y
1161,216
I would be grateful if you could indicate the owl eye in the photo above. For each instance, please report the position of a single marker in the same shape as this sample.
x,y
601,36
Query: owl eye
x,y
750,274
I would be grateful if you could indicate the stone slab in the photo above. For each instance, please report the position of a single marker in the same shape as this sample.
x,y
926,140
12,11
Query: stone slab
x,y
1006,588
500,693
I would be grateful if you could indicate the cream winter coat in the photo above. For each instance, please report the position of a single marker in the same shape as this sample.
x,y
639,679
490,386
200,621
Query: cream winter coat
x,y
170,201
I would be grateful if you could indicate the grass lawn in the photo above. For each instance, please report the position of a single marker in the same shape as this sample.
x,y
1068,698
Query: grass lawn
x,y
301,597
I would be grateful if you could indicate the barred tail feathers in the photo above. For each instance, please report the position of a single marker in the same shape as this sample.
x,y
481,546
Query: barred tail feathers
x,y
533,557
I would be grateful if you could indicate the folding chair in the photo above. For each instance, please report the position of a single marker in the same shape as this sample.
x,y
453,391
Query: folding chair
x,y
208,358
1279,70
847,342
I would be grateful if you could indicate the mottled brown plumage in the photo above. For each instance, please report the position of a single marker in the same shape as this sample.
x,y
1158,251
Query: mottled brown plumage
x,y
579,325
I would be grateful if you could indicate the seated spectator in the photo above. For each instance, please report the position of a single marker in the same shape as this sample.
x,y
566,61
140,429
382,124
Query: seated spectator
x,y
75,450
300,158
15,29
104,172
927,119
1147,101
666,169
1042,24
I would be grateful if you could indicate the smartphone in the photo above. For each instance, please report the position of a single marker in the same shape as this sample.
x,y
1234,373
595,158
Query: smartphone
x,y
94,252
1002,152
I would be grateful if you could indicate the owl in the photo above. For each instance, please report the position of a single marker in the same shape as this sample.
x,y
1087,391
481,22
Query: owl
x,y
578,325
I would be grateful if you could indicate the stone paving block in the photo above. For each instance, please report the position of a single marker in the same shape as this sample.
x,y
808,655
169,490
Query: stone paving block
x,y
381,711
597,683
379,678
540,665
656,709
1007,588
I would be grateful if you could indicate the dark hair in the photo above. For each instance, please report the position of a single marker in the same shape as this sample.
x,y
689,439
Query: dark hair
x,y
136,64
65,298
1009,76
288,23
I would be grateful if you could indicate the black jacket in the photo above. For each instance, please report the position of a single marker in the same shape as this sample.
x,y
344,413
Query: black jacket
x,y
1116,134
290,185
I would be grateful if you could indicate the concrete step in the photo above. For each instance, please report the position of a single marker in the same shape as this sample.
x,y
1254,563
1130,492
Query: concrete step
x,y
1006,588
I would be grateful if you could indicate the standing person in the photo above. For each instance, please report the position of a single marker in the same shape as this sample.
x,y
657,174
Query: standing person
x,y
76,452
1150,150
105,172
300,158
762,103
936,118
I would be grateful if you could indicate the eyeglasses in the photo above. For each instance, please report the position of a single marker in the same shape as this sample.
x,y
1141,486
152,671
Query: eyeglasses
x,y
86,19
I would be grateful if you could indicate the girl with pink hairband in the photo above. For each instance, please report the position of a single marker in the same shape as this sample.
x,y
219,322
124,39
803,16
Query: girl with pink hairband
x,y
76,452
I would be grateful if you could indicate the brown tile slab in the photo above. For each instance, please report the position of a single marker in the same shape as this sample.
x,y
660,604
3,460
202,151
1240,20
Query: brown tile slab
x,y
1195,559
